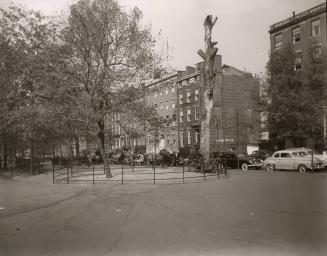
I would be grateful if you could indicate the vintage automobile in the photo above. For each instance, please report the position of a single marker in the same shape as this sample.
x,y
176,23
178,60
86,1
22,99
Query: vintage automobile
x,y
248,161
308,152
291,159
261,154
234,161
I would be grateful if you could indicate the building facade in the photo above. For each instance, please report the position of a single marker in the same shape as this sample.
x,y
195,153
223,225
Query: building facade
x,y
162,94
302,31
237,125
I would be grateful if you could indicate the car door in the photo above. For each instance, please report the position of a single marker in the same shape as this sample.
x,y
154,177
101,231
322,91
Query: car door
x,y
285,161
276,160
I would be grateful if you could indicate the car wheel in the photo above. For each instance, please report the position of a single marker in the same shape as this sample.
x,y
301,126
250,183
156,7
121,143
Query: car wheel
x,y
245,167
302,168
269,168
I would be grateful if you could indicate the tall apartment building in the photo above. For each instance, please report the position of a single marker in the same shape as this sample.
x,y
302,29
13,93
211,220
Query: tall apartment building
x,y
302,31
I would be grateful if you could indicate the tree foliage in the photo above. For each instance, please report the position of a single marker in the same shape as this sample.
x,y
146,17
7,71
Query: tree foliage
x,y
61,79
295,98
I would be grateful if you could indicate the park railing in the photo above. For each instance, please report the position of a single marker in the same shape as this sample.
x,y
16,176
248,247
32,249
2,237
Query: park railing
x,y
74,172
24,167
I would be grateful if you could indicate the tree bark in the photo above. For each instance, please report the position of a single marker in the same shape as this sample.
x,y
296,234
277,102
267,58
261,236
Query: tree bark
x,y
76,146
32,154
5,152
208,82
100,137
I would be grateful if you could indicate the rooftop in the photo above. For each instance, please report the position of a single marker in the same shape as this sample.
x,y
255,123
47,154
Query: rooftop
x,y
296,18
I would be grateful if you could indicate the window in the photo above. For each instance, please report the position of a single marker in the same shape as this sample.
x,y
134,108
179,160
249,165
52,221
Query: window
x,y
167,90
192,80
188,96
167,105
161,105
183,82
278,41
173,105
189,114
172,89
276,155
315,27
285,155
156,95
197,138
296,35
196,113
160,92
181,116
181,138
189,137
298,60
180,98
316,50
196,94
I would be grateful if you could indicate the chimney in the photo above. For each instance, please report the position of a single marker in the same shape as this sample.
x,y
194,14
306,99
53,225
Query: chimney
x,y
189,70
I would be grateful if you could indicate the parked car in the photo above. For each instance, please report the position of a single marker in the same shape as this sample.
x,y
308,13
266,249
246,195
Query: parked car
x,y
243,161
261,154
291,159
308,152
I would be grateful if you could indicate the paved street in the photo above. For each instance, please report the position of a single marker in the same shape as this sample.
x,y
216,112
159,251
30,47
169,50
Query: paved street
x,y
251,213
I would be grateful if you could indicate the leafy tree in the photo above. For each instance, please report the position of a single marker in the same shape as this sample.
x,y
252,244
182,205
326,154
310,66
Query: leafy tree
x,y
32,36
294,99
108,49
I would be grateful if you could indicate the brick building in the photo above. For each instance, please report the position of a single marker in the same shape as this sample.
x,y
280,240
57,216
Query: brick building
x,y
162,93
238,124
302,31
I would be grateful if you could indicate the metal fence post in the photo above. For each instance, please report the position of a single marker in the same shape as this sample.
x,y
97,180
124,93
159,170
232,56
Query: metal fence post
x,y
67,174
53,173
71,168
11,174
204,174
122,174
154,174
183,173
93,173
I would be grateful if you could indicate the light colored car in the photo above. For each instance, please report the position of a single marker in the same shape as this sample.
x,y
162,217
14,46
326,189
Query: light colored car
x,y
291,159
308,152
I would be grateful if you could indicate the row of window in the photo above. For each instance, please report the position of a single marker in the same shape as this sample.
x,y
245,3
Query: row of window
x,y
296,34
196,114
188,140
298,56
190,80
188,96
166,106
164,91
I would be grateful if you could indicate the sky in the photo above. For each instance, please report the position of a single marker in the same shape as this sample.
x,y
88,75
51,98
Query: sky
x,y
241,30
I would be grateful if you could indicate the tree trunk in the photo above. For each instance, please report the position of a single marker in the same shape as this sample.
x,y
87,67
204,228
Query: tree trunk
x,y
5,152
100,137
76,146
32,155
208,82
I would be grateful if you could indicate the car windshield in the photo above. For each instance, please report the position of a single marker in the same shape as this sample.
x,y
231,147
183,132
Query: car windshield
x,y
296,154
